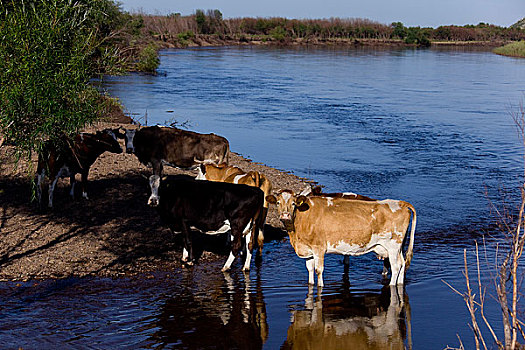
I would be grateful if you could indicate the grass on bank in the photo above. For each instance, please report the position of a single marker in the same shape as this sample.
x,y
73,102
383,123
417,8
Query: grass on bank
x,y
515,49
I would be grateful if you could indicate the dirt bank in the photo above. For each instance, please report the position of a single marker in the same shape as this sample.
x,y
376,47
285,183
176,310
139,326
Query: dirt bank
x,y
114,233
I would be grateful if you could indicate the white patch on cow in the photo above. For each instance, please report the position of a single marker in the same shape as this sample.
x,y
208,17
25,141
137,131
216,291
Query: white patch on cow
x,y
237,178
286,196
229,262
185,255
248,260
392,204
349,194
154,182
329,201
200,175
223,229
81,136
344,248
84,195
307,190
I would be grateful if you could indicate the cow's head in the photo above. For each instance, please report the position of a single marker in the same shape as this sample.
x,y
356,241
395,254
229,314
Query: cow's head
x,y
108,139
287,202
128,136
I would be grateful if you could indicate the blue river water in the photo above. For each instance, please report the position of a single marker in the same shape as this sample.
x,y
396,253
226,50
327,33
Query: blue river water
x,y
433,127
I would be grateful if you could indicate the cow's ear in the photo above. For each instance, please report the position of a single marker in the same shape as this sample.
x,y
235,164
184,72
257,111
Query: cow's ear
x,y
271,199
300,200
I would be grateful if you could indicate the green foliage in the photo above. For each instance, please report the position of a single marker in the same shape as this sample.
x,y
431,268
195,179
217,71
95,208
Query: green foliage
x,y
48,53
278,33
399,30
418,36
515,49
148,59
202,23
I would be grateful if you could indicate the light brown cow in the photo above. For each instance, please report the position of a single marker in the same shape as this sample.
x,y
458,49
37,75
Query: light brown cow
x,y
320,225
232,174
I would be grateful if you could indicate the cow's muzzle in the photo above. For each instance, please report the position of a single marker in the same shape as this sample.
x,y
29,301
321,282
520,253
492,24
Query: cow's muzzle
x,y
153,201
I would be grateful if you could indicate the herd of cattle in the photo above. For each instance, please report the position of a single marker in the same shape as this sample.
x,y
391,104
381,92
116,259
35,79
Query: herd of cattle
x,y
224,198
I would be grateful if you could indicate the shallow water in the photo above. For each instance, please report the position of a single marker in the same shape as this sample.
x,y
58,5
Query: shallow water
x,y
428,126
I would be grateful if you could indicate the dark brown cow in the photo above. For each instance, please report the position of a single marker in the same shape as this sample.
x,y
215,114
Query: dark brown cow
x,y
321,225
155,146
77,156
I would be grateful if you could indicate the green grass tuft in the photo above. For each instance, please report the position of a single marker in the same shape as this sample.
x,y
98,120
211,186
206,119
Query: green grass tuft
x,y
514,49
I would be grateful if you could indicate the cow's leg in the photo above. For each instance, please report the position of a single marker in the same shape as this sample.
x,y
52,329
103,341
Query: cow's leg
x,y
346,261
39,184
154,183
236,244
249,246
310,266
84,183
187,252
52,184
397,265
72,182
386,263
260,237
319,268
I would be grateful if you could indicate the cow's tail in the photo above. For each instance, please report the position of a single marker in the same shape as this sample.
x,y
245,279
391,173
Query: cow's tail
x,y
410,249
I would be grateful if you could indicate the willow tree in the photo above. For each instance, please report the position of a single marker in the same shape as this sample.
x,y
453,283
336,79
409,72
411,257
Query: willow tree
x,y
48,54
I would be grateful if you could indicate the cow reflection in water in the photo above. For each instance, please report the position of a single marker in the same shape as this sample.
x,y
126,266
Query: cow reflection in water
x,y
230,314
352,321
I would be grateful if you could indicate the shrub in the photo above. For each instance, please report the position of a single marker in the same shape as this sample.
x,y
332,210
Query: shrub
x,y
48,54
278,33
148,59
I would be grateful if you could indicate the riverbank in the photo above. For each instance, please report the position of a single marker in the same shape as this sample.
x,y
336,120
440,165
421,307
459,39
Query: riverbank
x,y
112,234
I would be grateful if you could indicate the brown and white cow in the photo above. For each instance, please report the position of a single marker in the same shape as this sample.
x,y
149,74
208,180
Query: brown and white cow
x,y
155,146
235,175
76,156
321,225
318,191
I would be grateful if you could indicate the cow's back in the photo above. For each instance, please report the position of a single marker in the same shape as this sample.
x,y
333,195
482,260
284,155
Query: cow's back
x,y
181,148
210,198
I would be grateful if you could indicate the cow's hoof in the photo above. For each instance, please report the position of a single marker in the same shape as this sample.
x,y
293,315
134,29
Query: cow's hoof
x,y
188,263
153,202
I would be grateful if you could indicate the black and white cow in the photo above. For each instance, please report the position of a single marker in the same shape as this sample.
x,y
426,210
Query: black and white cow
x,y
211,207
155,146
76,156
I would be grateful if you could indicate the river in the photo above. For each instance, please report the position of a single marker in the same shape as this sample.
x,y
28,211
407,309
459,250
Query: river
x,y
429,126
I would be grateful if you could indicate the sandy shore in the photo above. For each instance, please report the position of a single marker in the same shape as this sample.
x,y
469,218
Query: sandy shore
x,y
114,233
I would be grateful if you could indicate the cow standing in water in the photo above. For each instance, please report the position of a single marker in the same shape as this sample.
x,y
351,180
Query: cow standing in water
x,y
76,157
321,225
232,174
155,146
211,207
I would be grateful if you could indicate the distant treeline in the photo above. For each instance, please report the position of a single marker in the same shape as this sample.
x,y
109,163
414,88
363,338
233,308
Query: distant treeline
x,y
177,28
